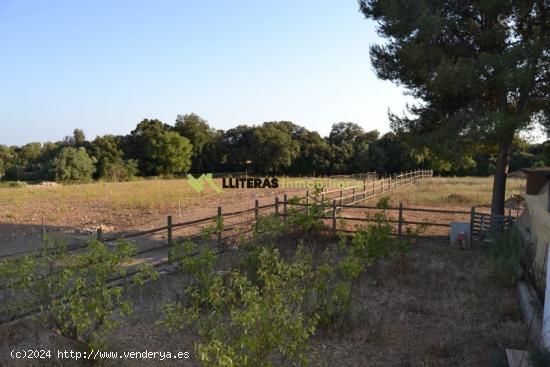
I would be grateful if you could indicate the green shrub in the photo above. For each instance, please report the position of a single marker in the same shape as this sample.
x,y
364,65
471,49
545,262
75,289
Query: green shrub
x,y
243,323
75,293
73,164
306,220
504,256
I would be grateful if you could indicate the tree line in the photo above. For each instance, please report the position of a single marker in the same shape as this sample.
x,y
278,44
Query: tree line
x,y
191,145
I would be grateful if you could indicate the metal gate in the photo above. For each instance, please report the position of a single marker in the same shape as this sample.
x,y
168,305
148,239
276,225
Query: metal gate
x,y
485,225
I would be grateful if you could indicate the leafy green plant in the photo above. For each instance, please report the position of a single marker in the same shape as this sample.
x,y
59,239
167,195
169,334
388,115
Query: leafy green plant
x,y
77,295
332,297
73,164
217,226
504,256
246,323
307,222
270,227
199,263
335,283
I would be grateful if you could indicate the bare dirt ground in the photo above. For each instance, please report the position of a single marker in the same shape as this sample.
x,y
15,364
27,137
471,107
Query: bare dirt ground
x,y
76,211
442,309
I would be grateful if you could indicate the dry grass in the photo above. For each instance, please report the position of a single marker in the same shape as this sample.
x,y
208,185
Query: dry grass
x,y
142,194
452,192
145,203
159,194
442,309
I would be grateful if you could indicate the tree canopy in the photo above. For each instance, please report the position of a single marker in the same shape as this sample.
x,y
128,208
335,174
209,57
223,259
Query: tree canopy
x,y
274,148
479,69
73,164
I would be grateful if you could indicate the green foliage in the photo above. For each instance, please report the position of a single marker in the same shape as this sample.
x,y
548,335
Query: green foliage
x,y
243,323
79,137
203,138
74,292
270,227
159,150
306,220
73,164
120,170
274,148
282,147
264,311
477,69
335,283
200,264
6,159
171,154
504,255
217,226
110,164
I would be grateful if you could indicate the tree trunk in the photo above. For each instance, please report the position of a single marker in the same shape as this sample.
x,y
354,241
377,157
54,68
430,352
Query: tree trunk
x,y
501,173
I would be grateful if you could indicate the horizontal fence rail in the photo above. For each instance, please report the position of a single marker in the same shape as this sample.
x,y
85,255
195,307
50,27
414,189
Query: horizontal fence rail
x,y
372,185
337,207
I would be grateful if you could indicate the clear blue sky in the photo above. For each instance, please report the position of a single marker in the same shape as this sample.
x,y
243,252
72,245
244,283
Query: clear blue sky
x,y
103,66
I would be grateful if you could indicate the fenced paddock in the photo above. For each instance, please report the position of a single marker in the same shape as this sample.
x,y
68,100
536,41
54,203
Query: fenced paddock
x,y
342,212
426,309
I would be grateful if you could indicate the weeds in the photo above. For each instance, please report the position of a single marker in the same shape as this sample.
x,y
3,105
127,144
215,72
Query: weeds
x,y
75,293
246,323
504,256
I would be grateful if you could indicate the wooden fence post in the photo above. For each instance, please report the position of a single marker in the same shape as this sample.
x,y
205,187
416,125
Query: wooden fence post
x,y
341,195
334,218
256,215
284,209
307,201
373,189
400,221
353,193
276,206
169,225
218,224
471,237
43,231
364,188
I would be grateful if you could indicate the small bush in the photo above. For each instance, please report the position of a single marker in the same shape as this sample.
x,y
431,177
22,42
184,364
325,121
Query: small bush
x,y
504,255
75,293
246,323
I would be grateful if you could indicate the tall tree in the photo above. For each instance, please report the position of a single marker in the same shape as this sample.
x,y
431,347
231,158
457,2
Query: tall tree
x,y
144,144
199,133
344,133
273,147
239,142
6,159
73,164
479,68
110,165
171,154
314,157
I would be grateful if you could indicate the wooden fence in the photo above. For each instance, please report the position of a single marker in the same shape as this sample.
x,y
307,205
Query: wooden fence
x,y
344,196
